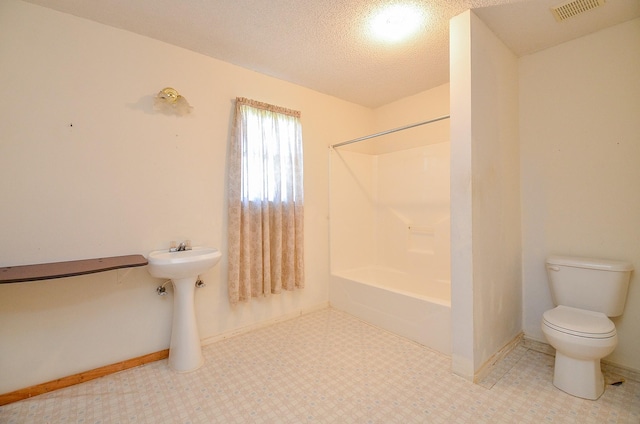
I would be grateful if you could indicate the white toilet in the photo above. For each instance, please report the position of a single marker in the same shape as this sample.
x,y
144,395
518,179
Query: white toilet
x,y
587,292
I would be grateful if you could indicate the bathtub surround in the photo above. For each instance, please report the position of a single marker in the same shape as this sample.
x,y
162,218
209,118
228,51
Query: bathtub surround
x,y
382,187
389,210
392,211
390,241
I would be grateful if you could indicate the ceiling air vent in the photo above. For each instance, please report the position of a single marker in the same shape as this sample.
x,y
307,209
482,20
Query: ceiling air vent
x,y
574,8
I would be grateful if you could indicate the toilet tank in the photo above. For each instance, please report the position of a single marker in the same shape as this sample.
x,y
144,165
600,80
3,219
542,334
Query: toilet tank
x,y
593,284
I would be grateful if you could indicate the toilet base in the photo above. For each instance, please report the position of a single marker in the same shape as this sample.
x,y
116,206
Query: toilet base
x,y
577,377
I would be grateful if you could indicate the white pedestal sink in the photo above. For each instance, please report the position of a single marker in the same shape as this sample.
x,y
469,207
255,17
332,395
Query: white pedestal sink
x,y
183,268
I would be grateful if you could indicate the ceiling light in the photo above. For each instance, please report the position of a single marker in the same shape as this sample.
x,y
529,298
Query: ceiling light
x,y
396,22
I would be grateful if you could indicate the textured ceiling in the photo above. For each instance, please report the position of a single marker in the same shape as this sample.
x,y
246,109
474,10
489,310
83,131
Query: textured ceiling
x,y
529,26
324,45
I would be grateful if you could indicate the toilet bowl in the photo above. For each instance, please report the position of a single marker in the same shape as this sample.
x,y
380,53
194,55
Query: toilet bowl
x,y
581,338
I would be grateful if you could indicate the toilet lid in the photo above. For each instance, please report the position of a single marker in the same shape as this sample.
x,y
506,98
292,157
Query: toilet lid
x,y
579,322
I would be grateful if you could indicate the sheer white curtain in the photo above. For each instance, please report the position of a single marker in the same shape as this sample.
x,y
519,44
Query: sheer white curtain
x,y
265,201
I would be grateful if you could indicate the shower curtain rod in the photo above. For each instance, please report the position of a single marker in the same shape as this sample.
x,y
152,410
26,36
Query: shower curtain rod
x,y
406,127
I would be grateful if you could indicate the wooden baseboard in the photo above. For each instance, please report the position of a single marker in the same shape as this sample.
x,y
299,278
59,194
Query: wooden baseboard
x,y
81,377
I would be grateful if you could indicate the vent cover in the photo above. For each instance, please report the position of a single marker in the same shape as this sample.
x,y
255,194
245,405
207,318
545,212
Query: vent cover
x,y
574,8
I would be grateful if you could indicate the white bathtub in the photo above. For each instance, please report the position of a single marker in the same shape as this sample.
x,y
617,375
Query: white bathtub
x,y
389,299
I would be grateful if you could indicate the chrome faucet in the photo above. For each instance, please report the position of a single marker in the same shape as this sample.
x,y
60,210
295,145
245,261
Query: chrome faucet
x,y
185,245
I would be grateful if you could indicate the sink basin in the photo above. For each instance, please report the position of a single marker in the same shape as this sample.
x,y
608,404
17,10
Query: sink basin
x,y
183,264
183,268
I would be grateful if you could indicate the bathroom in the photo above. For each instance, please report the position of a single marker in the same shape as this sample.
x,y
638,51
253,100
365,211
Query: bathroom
x,y
89,170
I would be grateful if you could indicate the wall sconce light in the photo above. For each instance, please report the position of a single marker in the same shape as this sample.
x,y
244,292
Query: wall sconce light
x,y
168,100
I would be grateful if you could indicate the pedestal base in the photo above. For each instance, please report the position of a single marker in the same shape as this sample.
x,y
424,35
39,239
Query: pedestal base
x,y
185,351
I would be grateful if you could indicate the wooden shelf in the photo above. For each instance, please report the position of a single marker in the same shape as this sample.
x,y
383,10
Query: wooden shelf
x,y
24,273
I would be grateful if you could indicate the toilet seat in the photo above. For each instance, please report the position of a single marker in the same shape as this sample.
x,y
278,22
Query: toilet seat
x,y
579,322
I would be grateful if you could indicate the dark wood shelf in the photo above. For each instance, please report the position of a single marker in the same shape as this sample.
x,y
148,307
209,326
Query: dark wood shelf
x,y
24,273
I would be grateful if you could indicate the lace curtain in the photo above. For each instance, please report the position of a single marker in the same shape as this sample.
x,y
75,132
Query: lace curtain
x,y
265,201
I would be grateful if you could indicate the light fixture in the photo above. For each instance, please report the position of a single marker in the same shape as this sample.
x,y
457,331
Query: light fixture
x,y
169,101
396,22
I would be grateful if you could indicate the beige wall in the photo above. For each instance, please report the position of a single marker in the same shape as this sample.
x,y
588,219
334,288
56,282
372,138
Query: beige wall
x,y
88,169
420,107
485,195
496,194
462,349
580,159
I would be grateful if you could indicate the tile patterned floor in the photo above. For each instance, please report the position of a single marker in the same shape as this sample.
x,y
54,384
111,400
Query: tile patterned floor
x,y
327,367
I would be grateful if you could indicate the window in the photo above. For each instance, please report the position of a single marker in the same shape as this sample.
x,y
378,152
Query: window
x,y
265,201
271,155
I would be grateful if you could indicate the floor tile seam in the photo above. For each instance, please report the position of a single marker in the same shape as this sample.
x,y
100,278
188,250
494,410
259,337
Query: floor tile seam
x,y
509,370
528,366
